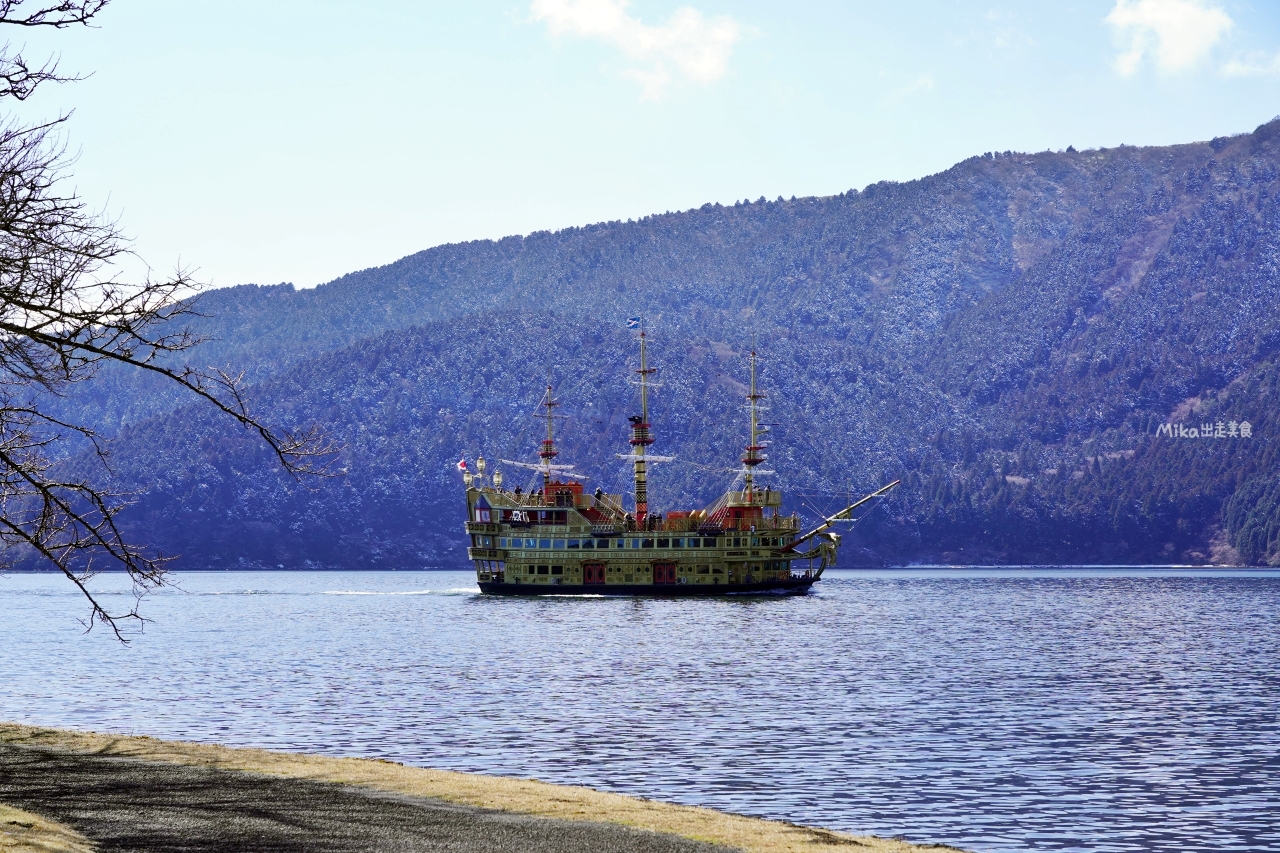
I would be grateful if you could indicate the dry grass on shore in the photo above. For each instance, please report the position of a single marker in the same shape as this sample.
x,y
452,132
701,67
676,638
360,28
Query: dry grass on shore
x,y
23,832
524,796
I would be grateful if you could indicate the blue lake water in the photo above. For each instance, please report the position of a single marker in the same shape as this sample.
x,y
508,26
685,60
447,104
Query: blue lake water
x,y
996,710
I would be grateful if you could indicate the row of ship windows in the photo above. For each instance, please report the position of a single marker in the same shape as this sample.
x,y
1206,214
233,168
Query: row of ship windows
x,y
600,544
500,565
559,570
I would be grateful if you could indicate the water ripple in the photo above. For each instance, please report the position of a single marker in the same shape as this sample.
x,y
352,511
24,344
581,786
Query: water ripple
x,y
998,711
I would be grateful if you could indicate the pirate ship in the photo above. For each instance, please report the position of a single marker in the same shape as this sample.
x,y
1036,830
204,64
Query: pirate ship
x,y
561,540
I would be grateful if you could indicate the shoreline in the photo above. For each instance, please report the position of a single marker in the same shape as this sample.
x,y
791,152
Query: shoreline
x,y
561,808
911,567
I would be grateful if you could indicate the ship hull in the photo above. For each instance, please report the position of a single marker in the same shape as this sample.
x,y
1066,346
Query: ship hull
x,y
794,586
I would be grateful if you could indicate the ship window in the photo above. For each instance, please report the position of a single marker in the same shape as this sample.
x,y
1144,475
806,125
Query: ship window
x,y
559,543
501,565
587,543
664,543
531,543
557,570
691,543
704,570
482,514
647,543
717,570
542,570
544,543
573,543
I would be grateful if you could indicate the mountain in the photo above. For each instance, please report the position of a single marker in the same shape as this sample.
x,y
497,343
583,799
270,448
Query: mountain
x,y
1024,339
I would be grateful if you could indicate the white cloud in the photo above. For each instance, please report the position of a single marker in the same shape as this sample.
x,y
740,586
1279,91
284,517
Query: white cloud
x,y
689,43
1255,65
1178,32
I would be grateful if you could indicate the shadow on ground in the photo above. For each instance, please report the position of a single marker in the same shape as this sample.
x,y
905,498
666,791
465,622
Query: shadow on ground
x,y
129,805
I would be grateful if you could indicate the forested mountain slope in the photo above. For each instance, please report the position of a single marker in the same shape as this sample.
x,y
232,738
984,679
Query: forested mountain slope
x,y
1008,336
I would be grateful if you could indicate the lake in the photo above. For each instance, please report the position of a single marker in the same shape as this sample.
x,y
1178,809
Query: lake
x,y
992,709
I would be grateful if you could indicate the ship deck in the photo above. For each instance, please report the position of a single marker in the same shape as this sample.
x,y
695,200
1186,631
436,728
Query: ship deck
x,y
793,586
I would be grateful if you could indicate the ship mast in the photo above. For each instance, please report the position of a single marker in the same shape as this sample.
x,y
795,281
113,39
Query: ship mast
x,y
641,437
548,450
753,456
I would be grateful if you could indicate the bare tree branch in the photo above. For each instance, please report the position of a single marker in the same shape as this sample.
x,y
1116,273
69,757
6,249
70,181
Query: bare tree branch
x,y
18,80
63,315
23,13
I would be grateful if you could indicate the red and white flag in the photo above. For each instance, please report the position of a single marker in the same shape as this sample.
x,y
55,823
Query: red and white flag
x,y
462,464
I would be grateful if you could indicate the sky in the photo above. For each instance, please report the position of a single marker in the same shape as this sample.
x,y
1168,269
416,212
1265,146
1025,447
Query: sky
x,y
289,141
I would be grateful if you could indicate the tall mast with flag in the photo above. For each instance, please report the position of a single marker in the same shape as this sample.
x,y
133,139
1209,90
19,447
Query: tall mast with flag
x,y
548,451
641,434
754,455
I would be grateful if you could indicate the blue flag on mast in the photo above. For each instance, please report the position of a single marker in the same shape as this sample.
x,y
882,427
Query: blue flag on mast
x,y
633,322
